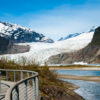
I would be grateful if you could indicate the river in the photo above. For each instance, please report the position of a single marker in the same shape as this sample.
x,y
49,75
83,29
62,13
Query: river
x,y
88,90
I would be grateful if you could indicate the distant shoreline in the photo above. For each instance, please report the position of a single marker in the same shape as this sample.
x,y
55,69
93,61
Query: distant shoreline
x,y
85,78
75,67
80,68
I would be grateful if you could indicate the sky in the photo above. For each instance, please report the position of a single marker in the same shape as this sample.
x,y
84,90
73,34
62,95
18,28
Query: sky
x,y
53,18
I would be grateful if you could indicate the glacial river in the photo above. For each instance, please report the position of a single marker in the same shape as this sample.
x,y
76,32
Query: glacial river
x,y
88,90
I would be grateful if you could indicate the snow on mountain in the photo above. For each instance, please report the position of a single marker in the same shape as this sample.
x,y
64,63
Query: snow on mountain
x,y
69,36
92,29
76,34
19,34
42,51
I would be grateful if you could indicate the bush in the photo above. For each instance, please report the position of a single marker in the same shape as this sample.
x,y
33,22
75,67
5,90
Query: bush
x,y
47,78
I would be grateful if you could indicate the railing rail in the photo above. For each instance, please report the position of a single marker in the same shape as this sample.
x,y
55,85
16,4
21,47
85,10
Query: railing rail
x,y
27,88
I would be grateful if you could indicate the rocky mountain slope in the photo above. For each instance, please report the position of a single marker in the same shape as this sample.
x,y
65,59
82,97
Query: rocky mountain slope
x,y
4,44
12,33
89,54
7,47
19,34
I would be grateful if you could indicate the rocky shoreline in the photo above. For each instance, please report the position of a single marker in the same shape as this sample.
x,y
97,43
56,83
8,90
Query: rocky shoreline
x,y
59,93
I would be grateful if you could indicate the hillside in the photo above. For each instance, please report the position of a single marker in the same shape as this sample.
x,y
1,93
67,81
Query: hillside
x,y
7,47
89,54
4,44
12,34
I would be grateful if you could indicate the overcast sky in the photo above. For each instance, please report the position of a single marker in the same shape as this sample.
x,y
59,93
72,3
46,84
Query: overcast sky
x,y
53,18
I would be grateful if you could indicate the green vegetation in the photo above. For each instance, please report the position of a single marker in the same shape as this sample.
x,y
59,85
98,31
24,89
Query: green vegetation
x,y
47,78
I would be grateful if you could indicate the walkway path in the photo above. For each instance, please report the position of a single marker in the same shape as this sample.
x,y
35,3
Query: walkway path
x,y
5,85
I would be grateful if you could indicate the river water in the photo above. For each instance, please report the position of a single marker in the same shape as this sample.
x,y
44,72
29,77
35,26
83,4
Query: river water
x,y
88,90
79,72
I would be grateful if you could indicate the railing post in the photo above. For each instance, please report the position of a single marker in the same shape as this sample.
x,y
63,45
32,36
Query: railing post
x,y
14,76
6,75
0,80
28,75
17,93
25,91
37,86
34,89
21,75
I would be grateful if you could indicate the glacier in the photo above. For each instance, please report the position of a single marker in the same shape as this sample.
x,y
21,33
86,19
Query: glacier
x,y
40,52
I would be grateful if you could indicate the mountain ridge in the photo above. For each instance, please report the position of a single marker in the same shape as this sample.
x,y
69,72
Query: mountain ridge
x,y
76,34
19,34
12,34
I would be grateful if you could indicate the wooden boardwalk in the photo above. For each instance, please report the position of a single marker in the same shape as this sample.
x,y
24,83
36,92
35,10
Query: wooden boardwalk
x,y
5,85
25,85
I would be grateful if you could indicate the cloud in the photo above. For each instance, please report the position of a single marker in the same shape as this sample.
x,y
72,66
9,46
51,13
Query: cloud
x,y
62,20
59,22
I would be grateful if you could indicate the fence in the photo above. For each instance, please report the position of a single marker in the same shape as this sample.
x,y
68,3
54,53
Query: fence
x,y
25,87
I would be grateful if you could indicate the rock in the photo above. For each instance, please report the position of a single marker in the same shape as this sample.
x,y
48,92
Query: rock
x,y
4,45
57,93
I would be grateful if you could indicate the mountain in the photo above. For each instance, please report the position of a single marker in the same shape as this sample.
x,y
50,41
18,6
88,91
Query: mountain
x,y
76,34
12,34
7,47
41,52
89,54
19,34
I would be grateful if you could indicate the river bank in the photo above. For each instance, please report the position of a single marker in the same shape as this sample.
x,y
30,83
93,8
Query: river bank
x,y
59,93
85,78
74,67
